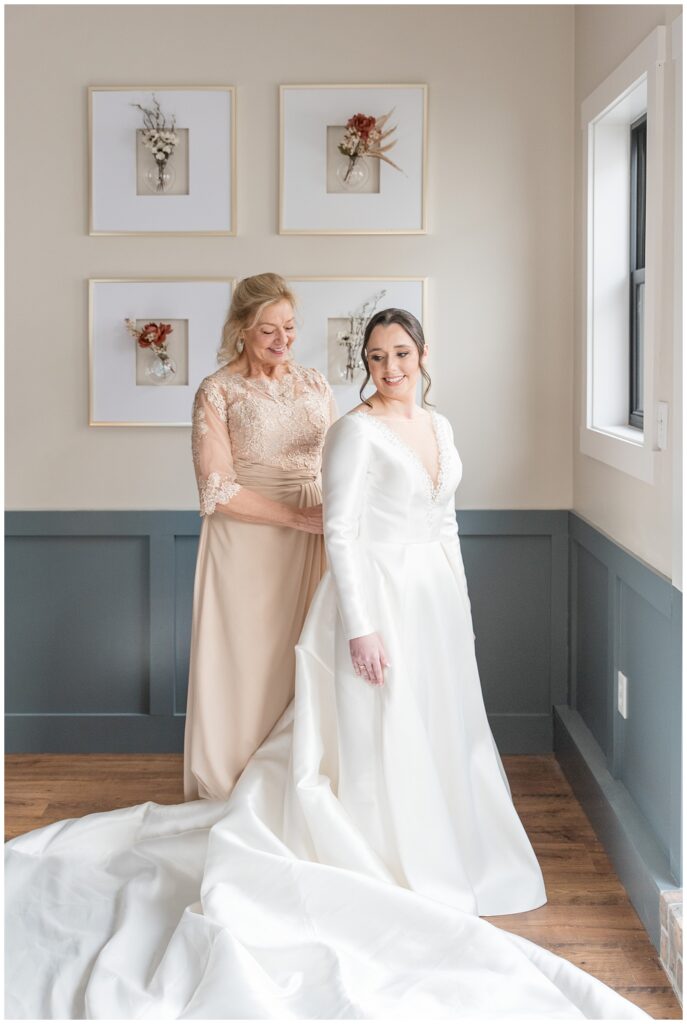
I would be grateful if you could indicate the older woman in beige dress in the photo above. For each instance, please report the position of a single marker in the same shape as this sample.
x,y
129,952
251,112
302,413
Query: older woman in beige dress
x,y
259,424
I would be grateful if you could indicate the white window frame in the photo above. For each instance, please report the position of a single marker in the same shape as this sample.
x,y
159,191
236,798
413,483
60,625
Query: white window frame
x,y
636,84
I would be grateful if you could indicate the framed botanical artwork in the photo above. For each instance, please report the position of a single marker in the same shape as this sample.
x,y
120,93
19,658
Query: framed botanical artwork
x,y
162,160
150,343
353,159
331,316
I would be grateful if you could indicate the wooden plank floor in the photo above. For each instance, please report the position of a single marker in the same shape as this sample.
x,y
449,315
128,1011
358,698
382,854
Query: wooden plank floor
x,y
588,918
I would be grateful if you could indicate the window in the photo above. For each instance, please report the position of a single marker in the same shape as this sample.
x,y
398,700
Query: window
x,y
623,158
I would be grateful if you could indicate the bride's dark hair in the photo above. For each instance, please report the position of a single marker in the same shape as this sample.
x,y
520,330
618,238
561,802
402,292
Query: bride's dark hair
x,y
413,328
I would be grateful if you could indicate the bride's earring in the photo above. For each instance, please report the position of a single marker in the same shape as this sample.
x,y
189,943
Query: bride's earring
x,y
239,345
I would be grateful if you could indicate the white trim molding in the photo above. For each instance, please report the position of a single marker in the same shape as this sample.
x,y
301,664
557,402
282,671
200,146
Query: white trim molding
x,y
678,361
635,86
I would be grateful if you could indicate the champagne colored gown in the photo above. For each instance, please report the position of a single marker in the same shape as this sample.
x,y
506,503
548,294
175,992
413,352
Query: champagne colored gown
x,y
254,581
345,875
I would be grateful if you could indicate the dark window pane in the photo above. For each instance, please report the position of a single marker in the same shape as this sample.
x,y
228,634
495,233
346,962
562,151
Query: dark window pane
x,y
637,266
641,194
639,326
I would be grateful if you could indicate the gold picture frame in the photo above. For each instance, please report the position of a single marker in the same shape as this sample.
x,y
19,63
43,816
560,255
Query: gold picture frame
x,y
119,365
95,217
419,159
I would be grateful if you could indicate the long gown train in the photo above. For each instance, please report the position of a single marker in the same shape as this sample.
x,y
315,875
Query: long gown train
x,y
345,875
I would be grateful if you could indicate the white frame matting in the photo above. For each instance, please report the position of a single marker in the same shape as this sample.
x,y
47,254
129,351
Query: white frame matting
x,y
305,206
115,208
115,400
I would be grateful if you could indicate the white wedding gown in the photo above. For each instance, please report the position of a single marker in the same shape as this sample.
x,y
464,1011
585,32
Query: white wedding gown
x,y
344,876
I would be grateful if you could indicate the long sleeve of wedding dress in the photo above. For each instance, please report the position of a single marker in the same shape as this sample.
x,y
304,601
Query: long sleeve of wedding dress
x,y
345,462
345,490
450,538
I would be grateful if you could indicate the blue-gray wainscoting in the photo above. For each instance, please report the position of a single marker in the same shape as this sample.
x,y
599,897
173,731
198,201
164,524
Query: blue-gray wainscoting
x,y
627,772
98,613
98,618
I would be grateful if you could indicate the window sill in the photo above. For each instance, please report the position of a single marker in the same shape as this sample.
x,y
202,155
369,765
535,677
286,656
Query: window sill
x,y
623,448
624,432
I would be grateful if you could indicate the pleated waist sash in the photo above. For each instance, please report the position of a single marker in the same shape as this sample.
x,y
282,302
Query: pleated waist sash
x,y
292,486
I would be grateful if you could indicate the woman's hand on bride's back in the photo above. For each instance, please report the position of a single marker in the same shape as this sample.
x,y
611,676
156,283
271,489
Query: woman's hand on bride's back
x,y
369,658
309,518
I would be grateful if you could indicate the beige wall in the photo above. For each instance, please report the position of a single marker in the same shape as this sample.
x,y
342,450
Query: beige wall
x,y
498,255
644,518
505,209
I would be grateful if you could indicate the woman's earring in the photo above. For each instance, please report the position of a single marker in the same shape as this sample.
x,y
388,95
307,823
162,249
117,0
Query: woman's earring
x,y
239,345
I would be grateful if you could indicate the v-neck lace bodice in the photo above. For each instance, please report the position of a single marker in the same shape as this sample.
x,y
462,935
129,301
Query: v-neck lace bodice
x,y
379,503
389,492
435,488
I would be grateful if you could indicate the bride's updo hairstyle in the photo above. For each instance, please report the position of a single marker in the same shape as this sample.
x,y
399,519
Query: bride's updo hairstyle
x,y
250,297
413,328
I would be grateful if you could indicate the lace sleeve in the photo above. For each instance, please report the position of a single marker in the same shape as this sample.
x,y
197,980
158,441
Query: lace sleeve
x,y
211,448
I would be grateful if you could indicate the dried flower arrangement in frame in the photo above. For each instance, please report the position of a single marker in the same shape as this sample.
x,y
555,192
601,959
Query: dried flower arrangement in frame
x,y
362,142
160,140
155,173
161,368
336,175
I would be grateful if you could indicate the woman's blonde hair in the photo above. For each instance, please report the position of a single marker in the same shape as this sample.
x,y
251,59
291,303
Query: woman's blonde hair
x,y
250,297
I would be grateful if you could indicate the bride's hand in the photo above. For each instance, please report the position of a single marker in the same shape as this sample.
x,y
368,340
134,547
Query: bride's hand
x,y
369,658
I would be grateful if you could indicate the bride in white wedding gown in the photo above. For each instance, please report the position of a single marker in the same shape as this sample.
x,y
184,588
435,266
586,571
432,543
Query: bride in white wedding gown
x,y
345,875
